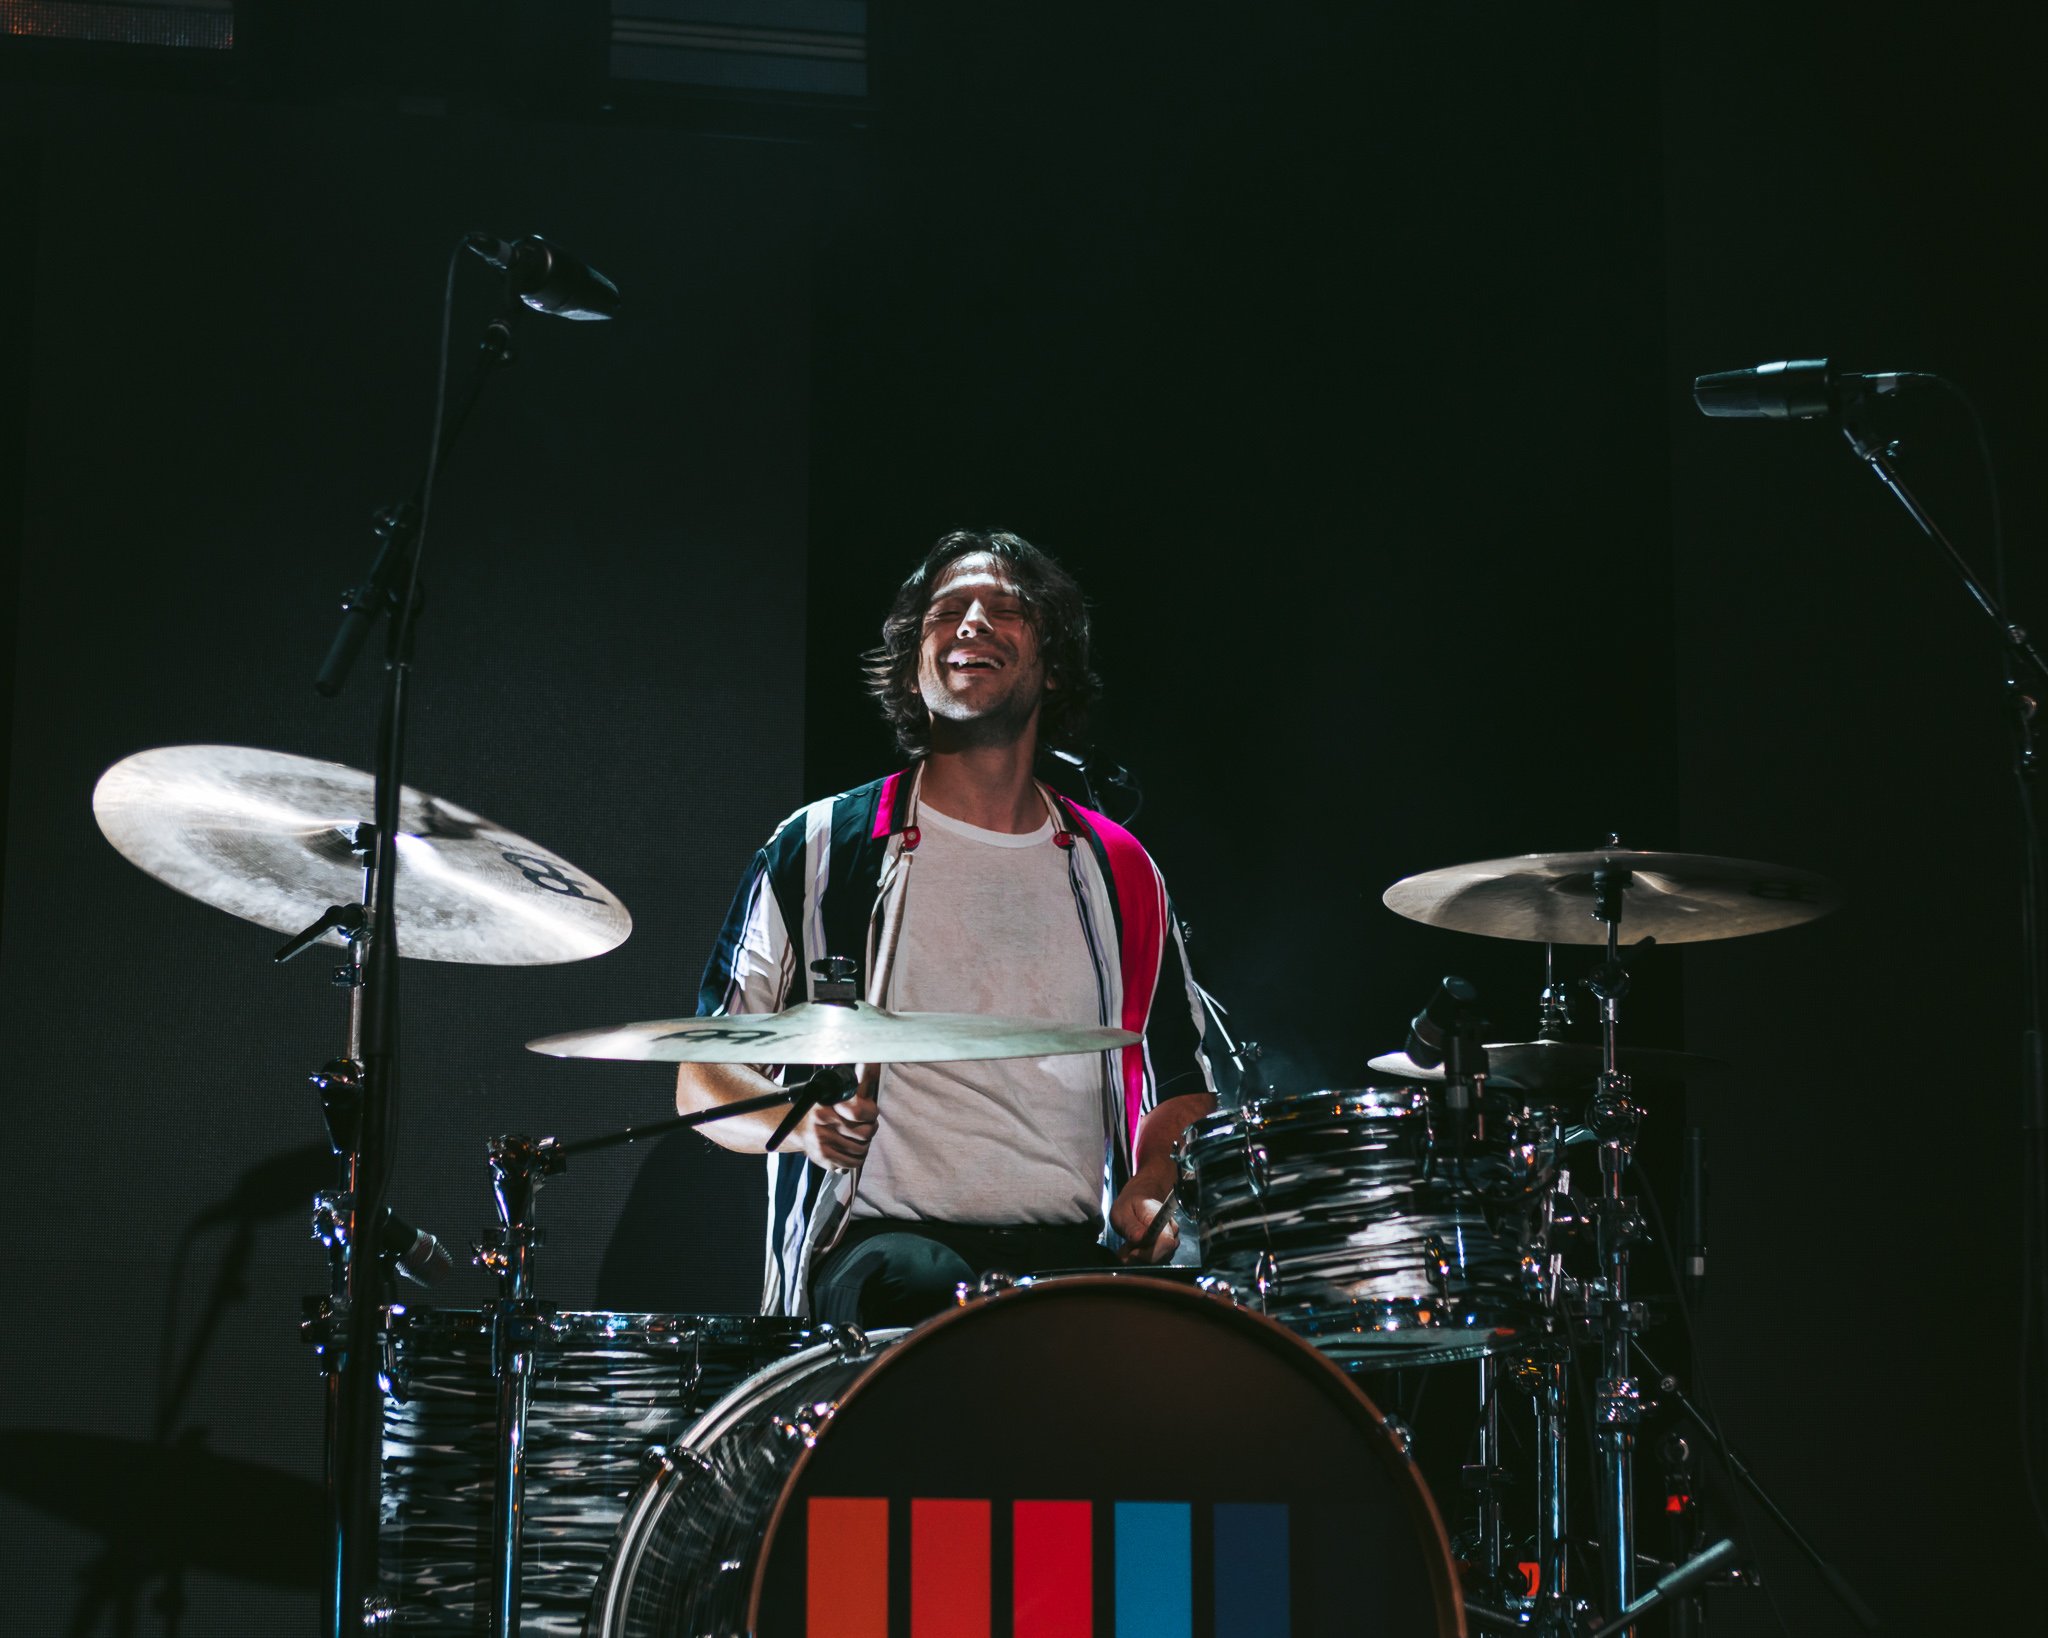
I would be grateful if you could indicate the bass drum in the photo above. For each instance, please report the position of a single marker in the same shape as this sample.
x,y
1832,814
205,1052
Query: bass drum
x,y
1084,1454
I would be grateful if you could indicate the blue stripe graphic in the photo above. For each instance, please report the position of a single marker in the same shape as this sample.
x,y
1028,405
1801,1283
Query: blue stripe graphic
x,y
1154,1570
1251,1570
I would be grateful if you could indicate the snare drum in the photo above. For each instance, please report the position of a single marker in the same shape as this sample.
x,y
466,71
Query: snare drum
x,y
1376,1223
607,1389
1072,1455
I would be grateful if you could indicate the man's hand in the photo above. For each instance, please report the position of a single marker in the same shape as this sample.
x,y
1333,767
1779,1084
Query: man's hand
x,y
1137,1203
838,1134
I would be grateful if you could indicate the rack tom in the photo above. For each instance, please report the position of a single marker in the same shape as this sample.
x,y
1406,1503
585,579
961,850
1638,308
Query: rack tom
x,y
1376,1223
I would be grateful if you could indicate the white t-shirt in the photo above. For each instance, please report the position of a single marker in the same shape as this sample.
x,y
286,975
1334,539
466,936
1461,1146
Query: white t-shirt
x,y
990,926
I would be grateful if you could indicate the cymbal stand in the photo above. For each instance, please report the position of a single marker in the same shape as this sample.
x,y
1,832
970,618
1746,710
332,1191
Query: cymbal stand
x,y
1615,1120
519,1165
340,1085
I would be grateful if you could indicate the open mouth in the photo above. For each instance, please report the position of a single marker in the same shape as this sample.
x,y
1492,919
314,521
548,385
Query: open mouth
x,y
973,662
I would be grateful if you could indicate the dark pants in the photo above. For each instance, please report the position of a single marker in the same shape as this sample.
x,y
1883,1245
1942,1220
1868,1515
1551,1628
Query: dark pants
x,y
884,1272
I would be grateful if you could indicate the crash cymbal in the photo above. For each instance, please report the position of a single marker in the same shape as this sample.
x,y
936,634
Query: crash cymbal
x,y
823,1032
164,1504
268,837
1675,898
1551,1066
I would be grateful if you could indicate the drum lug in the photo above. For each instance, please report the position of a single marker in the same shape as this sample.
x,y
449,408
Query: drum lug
x,y
667,1458
1439,1270
1258,1168
803,1427
393,1377
1266,1275
1219,1287
1402,1435
849,1341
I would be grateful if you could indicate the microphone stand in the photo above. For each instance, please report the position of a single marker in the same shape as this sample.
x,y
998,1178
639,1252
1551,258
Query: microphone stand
x,y
356,1457
1738,1470
2021,655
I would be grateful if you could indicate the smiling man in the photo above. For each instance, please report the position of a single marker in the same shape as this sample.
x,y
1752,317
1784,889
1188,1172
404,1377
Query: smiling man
x,y
963,884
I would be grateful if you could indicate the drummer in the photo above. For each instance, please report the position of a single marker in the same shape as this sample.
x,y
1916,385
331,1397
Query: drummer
x,y
964,885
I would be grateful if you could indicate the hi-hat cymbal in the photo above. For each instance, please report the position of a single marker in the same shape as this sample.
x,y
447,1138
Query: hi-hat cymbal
x,y
1551,1066
825,1032
1675,898
269,837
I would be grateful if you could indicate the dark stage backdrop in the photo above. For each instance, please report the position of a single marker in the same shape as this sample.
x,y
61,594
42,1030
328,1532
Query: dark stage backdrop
x,y
1343,355
1840,709
236,314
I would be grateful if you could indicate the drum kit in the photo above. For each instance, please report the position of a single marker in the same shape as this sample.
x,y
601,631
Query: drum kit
x,y
1036,1456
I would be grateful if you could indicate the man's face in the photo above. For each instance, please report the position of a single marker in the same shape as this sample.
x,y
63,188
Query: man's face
x,y
978,664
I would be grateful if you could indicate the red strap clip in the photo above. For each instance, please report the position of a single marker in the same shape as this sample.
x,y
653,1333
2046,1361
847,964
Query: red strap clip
x,y
911,837
1063,838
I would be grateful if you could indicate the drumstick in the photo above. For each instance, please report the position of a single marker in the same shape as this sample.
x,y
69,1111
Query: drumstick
x,y
1136,1253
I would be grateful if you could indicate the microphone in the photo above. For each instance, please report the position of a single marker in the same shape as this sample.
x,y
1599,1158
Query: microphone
x,y
546,277
1692,1203
1794,389
1431,1028
413,1251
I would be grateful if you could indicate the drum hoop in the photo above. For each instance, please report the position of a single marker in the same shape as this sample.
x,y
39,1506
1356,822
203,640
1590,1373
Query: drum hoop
x,y
1420,1504
713,1421
1338,1103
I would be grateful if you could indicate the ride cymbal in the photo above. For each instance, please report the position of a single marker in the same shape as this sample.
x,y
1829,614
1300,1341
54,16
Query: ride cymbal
x,y
270,837
1675,898
828,1032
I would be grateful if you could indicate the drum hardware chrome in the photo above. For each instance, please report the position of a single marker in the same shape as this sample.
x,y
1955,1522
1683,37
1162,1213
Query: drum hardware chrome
x,y
1554,1001
1258,1167
1437,1266
1400,1432
519,1166
992,1283
1615,1120
1553,1558
803,1427
1265,1276
391,1377
1485,1478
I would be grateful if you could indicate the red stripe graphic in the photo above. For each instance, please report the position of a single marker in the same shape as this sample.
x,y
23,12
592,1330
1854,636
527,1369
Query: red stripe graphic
x,y
1052,1572
847,1586
949,1575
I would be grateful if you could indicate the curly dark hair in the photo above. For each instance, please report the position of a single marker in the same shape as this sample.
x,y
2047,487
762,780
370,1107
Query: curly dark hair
x,y
1054,606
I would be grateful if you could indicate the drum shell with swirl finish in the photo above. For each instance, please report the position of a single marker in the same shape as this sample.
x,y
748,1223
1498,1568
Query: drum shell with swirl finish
x,y
608,1389
1376,1222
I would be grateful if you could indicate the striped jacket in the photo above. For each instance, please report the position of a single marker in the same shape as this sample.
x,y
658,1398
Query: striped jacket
x,y
831,881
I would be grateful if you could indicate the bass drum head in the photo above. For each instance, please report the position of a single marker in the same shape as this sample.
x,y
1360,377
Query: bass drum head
x,y
1075,1455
